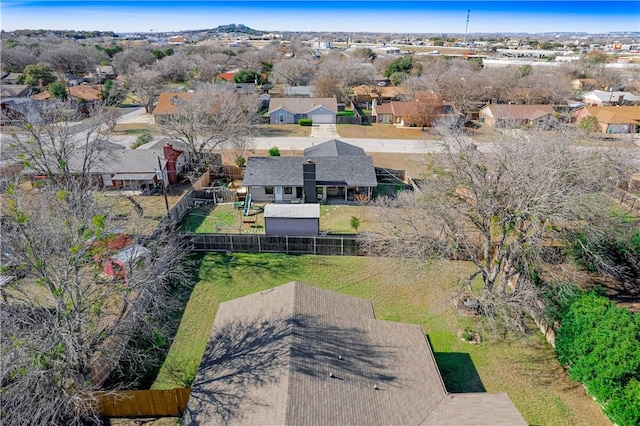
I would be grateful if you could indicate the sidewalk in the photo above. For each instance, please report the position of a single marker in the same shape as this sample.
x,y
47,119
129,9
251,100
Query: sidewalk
x,y
324,131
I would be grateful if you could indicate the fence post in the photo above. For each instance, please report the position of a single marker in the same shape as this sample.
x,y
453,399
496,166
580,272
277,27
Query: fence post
x,y
259,247
286,243
341,246
231,242
314,244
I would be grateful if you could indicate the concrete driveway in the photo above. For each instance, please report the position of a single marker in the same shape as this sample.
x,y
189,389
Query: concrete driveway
x,y
324,131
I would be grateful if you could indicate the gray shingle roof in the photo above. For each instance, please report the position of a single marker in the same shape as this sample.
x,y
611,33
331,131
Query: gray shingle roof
x,y
302,105
300,355
337,163
287,171
333,147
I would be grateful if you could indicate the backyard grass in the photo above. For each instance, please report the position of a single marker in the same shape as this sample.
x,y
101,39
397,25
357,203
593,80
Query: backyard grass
x,y
525,369
223,218
379,131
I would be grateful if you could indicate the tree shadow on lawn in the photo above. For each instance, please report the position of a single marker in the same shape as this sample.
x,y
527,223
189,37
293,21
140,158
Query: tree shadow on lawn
x,y
254,268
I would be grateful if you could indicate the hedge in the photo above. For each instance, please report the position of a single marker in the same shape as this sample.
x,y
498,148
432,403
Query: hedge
x,y
599,343
305,122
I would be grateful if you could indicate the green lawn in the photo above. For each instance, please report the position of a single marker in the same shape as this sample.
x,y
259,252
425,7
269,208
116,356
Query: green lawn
x,y
223,218
525,369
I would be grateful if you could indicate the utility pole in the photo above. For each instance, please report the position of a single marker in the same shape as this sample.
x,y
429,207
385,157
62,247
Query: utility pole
x,y
164,187
466,28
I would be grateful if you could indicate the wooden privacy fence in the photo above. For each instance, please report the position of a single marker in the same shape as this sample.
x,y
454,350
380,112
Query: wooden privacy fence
x,y
143,403
335,245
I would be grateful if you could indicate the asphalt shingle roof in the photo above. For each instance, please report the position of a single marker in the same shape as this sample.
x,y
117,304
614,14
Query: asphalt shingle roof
x,y
333,147
300,355
337,163
302,105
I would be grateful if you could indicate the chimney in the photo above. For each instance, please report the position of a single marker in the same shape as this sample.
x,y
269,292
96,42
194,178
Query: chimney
x,y
309,179
170,156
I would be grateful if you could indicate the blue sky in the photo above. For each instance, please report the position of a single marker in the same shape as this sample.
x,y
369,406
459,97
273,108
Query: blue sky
x,y
307,15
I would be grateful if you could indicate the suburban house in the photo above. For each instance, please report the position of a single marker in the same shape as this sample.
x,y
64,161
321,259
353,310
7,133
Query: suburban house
x,y
331,171
292,219
504,115
116,167
607,98
611,119
585,84
297,354
15,90
390,113
85,93
165,105
18,111
367,94
11,78
290,110
71,79
395,112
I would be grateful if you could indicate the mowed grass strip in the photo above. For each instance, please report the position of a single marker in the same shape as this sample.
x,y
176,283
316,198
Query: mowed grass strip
x,y
402,291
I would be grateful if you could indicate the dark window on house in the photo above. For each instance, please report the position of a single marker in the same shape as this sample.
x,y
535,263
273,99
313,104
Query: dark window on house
x,y
288,190
268,190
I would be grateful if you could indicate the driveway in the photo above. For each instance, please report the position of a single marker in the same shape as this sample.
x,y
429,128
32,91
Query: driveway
x,y
324,131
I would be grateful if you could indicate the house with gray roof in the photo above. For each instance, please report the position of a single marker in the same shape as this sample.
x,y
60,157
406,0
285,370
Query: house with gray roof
x,y
610,98
300,355
291,110
331,171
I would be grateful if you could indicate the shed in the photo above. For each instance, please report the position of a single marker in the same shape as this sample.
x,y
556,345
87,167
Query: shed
x,y
292,219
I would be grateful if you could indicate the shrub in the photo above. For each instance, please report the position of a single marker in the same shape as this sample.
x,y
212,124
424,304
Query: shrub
x,y
143,138
274,152
600,345
305,122
241,161
355,223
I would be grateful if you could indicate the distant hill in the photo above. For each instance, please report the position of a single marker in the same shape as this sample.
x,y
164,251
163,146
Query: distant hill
x,y
236,28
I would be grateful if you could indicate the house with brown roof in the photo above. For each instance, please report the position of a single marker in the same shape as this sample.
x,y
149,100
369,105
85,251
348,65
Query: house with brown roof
x,y
85,93
165,105
301,355
367,94
503,115
611,119
291,110
395,112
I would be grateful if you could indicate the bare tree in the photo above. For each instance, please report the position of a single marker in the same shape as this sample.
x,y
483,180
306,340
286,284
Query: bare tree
x,y
129,60
66,326
499,208
175,68
212,117
72,58
336,77
54,144
14,59
294,72
146,86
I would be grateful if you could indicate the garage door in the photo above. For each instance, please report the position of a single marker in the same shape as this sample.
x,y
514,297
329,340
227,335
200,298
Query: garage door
x,y
323,119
